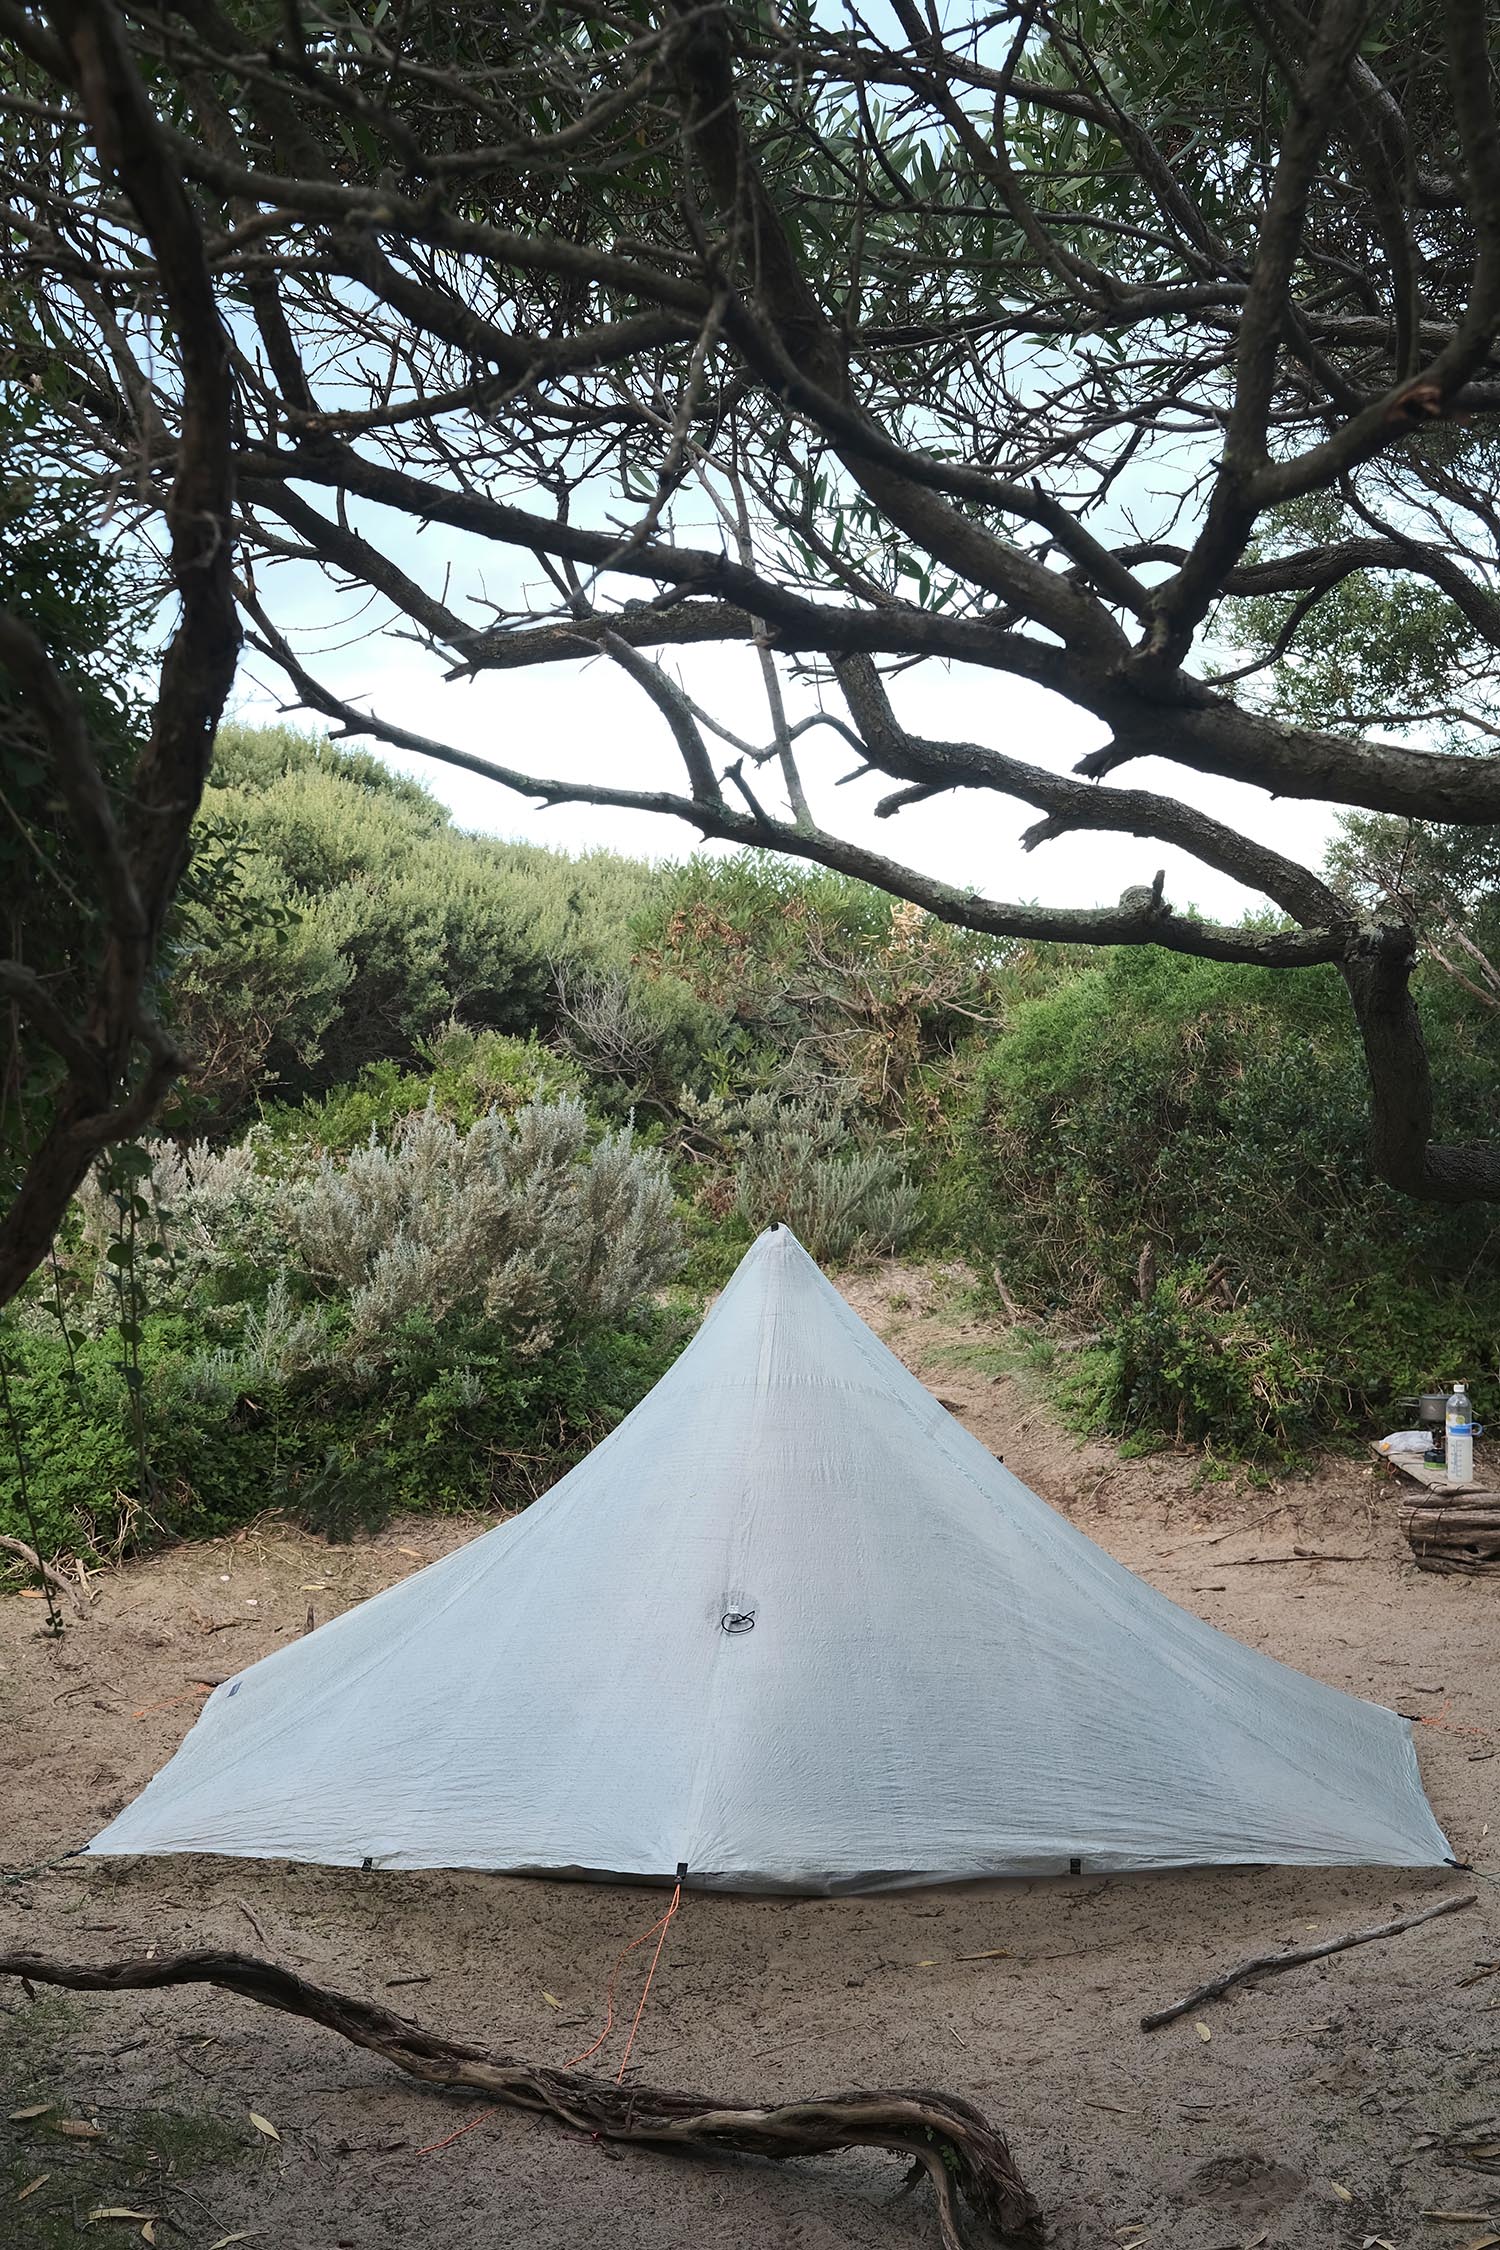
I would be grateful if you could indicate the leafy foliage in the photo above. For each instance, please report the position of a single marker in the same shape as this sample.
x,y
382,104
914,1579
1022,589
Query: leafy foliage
x,y
822,982
379,922
1167,1151
461,1073
1376,647
806,1165
456,1422
1444,881
521,1222
86,609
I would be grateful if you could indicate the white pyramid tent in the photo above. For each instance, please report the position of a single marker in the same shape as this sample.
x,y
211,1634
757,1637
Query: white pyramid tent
x,y
791,1627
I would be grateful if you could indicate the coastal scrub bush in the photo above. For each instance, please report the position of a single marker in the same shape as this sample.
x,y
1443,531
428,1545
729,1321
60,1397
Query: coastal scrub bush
x,y
1169,1153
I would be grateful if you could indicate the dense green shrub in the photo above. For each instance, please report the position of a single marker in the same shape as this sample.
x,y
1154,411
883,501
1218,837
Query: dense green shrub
x,y
445,1315
461,1073
1210,1121
385,924
807,1165
638,1037
528,1221
827,989
455,1421
71,1441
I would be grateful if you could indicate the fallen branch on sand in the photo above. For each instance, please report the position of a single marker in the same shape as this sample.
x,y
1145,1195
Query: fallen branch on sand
x,y
1267,1964
54,1578
961,2152
1300,1554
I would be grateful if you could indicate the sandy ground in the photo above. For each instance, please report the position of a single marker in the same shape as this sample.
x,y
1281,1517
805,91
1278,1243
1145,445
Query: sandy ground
x,y
1312,2113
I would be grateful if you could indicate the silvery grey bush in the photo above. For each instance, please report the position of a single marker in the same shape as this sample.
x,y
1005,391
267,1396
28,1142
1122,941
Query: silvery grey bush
x,y
209,1209
796,1161
523,1220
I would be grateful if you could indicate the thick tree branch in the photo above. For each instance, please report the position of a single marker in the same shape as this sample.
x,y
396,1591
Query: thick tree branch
x,y
702,62
1073,805
1133,921
26,991
1402,1148
964,2155
1235,503
675,709
1217,736
138,865
794,621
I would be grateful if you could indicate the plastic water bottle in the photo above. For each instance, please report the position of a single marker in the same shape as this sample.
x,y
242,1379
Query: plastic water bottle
x,y
1460,1436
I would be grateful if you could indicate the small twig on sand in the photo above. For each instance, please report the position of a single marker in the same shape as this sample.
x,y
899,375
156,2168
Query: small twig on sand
x,y
962,2154
54,1578
1267,1964
250,1918
1308,1554
1230,1531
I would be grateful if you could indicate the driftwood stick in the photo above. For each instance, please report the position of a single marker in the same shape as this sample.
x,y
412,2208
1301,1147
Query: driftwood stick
x,y
1266,1964
1230,1531
251,1919
958,2147
1259,1562
54,1578
1453,1520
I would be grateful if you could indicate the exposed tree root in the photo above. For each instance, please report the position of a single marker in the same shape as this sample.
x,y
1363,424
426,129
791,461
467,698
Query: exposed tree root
x,y
963,2155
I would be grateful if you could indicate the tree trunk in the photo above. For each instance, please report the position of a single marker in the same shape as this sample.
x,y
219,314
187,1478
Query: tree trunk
x,y
1402,1150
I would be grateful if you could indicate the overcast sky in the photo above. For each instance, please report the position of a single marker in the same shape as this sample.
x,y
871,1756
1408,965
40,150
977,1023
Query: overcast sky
x,y
588,722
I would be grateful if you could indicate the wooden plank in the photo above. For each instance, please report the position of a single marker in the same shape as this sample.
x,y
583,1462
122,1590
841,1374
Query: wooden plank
x,y
1433,1476
1464,1515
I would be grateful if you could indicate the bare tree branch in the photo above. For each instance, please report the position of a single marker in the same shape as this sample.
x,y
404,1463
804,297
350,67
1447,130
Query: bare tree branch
x,y
910,339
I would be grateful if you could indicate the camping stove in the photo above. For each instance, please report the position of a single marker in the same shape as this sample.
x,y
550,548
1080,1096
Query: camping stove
x,y
1427,1410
